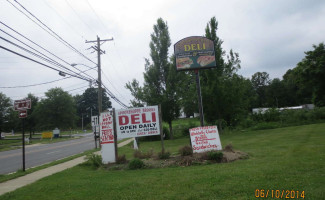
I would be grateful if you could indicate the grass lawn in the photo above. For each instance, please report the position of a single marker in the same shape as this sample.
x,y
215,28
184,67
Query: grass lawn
x,y
291,158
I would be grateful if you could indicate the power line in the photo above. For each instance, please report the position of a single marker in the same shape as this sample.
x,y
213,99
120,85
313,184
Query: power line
x,y
37,84
35,44
45,59
59,38
48,59
14,52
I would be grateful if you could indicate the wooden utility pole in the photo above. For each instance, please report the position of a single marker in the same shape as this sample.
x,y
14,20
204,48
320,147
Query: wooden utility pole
x,y
99,52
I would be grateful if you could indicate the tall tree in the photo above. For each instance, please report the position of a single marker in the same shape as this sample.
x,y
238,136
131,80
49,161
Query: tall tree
x,y
58,109
5,106
260,81
222,89
313,73
87,104
161,81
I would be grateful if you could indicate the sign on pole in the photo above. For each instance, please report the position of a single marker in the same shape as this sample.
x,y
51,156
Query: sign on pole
x,y
194,52
22,113
205,139
137,122
107,137
22,104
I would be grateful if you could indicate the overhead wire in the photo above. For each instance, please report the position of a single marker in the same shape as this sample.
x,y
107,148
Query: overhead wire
x,y
39,47
56,36
14,52
37,84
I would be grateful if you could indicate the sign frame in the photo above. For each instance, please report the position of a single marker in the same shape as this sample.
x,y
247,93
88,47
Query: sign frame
x,y
197,55
23,104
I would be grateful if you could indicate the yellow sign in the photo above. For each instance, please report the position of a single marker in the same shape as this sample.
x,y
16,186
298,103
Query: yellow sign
x,y
47,135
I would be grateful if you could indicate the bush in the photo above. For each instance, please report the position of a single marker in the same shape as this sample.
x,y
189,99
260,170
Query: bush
x,y
164,155
186,150
121,159
94,160
215,155
136,164
139,154
212,155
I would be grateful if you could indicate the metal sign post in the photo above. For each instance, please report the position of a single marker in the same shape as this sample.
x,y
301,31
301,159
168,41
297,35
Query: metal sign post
x,y
22,106
23,144
199,96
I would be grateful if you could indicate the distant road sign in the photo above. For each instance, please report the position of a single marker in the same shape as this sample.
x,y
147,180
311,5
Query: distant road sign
x,y
22,104
22,113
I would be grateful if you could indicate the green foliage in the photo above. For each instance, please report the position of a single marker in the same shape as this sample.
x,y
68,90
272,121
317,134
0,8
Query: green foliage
x,y
215,156
87,104
136,163
58,109
94,161
186,150
161,81
5,108
164,155
121,159
141,155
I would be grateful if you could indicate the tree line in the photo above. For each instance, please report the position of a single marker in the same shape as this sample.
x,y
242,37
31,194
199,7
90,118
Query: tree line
x,y
227,96
58,109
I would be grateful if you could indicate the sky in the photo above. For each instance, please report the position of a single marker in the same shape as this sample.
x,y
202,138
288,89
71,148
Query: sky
x,y
269,35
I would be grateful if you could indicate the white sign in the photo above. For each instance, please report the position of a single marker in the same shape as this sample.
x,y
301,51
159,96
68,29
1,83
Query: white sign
x,y
107,137
205,138
137,122
94,120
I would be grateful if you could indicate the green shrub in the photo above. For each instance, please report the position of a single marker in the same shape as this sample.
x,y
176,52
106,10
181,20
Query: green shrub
x,y
186,150
164,155
141,155
136,163
215,155
94,160
121,159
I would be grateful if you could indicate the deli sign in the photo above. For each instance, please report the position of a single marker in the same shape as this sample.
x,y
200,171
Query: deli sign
x,y
194,52
137,122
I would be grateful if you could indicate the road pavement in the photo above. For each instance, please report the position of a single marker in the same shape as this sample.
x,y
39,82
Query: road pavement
x,y
39,154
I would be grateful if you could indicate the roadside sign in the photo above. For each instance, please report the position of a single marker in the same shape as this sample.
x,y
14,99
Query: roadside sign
x,y
107,137
22,113
194,52
22,104
94,121
205,139
137,122
47,135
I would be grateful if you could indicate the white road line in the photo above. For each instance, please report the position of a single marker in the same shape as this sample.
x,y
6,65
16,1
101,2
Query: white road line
x,y
53,152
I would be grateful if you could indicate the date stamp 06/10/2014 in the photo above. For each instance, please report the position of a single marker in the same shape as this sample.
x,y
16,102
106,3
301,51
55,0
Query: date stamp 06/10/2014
x,y
279,194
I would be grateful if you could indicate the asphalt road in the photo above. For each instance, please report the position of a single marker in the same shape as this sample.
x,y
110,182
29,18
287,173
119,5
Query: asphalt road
x,y
35,155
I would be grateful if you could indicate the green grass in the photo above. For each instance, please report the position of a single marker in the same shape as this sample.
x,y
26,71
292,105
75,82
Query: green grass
x,y
291,158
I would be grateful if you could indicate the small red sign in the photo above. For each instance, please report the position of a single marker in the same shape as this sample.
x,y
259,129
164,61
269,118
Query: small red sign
x,y
22,113
22,104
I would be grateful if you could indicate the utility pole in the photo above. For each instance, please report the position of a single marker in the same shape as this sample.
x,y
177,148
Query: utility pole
x,y
99,52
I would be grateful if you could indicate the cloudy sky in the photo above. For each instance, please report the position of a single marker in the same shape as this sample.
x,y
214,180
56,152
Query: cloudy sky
x,y
269,36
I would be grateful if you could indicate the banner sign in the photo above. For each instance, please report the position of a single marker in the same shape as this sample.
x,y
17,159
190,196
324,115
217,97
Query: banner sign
x,y
205,138
107,137
106,128
194,52
137,122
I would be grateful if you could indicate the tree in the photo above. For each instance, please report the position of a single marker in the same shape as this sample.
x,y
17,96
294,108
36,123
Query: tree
x,y
161,81
87,103
313,73
5,107
223,91
260,81
31,119
58,109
